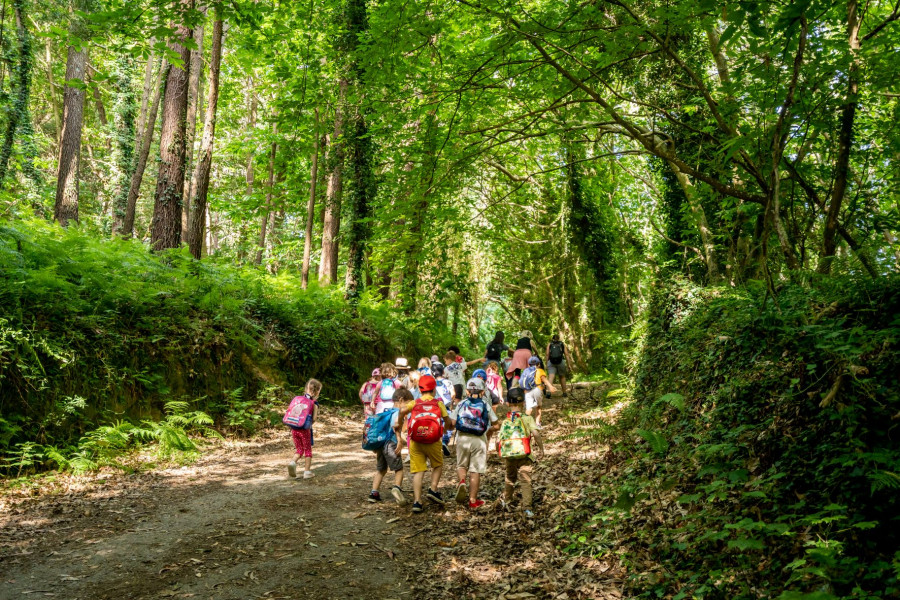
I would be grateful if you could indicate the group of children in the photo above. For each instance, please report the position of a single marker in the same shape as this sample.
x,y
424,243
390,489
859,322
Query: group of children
x,y
423,409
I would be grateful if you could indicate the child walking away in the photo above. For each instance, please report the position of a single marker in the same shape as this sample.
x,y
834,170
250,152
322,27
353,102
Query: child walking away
x,y
518,435
446,393
532,381
368,390
474,418
384,396
505,366
424,434
300,416
381,435
558,361
455,370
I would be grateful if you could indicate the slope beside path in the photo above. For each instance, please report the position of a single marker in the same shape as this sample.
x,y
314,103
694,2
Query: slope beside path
x,y
232,526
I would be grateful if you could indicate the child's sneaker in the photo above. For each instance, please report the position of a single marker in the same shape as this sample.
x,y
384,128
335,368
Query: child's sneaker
x,y
529,514
292,469
446,450
374,496
434,497
308,474
476,505
500,504
417,507
462,493
397,493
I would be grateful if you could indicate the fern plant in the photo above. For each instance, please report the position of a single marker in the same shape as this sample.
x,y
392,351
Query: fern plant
x,y
172,432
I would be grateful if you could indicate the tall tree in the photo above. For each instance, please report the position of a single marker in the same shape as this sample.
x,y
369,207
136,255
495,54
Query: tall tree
x,y
65,207
165,230
200,179
18,115
311,205
125,112
270,188
328,263
195,105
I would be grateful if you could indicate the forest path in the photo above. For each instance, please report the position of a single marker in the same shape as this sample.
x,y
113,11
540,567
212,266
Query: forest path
x,y
233,526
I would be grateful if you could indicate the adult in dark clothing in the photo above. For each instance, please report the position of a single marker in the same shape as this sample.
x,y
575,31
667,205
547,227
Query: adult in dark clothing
x,y
495,348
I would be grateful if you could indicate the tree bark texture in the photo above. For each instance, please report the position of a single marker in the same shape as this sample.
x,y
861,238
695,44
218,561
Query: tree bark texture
x,y
200,180
311,205
65,208
845,142
328,266
143,151
165,229
362,193
194,106
18,113
124,117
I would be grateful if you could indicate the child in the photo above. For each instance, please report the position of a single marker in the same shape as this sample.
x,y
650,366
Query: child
x,y
493,381
302,438
424,366
507,363
489,394
455,370
402,370
388,456
367,392
518,434
384,395
532,381
475,420
446,393
424,438
413,385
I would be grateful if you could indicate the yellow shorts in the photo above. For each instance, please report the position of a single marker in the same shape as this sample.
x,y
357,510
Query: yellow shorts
x,y
419,453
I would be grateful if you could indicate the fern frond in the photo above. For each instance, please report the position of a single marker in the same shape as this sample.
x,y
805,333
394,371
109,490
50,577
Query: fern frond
x,y
884,480
657,442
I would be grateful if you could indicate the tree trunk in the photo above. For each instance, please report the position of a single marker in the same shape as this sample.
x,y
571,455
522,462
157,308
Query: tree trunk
x,y
362,194
845,142
328,267
124,114
65,207
200,180
143,152
194,106
269,195
249,173
165,231
706,235
311,205
22,75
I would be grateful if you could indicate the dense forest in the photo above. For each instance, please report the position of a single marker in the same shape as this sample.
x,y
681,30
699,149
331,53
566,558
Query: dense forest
x,y
202,204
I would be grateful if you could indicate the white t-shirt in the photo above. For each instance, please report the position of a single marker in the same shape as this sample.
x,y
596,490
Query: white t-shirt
x,y
456,373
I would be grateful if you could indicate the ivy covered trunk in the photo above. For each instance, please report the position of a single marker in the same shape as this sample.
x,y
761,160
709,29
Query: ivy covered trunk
x,y
328,265
125,113
165,229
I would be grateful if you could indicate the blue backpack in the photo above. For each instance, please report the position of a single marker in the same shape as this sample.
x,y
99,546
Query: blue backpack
x,y
386,391
378,431
472,416
526,380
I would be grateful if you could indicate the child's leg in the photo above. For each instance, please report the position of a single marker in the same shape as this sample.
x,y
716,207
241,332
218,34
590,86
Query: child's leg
x,y
562,383
398,478
461,474
308,465
512,475
525,472
379,476
474,482
436,473
417,485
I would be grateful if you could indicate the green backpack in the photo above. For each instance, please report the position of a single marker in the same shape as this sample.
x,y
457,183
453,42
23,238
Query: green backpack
x,y
513,440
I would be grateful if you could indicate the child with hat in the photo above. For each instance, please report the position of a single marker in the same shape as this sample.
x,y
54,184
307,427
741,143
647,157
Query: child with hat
x,y
532,381
473,418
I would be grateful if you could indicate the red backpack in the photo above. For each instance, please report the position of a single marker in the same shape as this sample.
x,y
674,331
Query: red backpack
x,y
426,423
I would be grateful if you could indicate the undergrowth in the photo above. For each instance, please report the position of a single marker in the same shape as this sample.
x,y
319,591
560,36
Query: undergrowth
x,y
759,455
97,332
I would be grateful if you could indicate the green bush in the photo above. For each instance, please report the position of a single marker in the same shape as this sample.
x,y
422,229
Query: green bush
x,y
759,456
93,331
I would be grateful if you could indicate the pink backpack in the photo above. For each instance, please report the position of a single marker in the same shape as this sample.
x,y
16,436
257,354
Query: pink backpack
x,y
299,413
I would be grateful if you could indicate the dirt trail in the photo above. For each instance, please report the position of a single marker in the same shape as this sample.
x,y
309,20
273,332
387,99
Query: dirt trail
x,y
233,526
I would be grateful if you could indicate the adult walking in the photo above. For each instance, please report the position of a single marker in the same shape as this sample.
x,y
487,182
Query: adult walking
x,y
495,349
525,349
558,361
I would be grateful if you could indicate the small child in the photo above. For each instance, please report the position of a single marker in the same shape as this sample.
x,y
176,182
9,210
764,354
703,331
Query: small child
x,y
446,393
425,414
388,456
517,438
302,438
367,392
494,381
413,385
505,365
475,420
424,366
532,381
384,395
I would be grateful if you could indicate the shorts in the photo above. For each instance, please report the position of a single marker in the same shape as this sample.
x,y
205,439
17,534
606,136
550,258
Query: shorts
x,y
302,441
387,457
534,398
421,454
471,453
562,369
